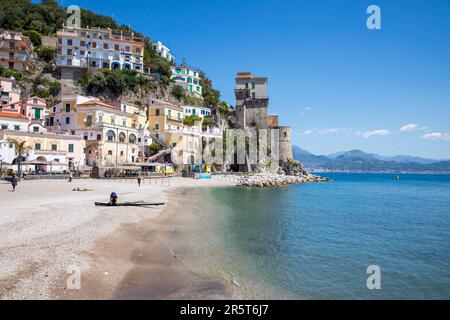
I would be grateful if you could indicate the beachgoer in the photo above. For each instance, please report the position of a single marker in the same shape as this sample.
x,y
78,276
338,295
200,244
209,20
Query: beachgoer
x,y
70,176
139,179
113,199
14,182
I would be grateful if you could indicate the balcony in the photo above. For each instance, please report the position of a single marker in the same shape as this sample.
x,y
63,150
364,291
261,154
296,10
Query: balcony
x,y
49,152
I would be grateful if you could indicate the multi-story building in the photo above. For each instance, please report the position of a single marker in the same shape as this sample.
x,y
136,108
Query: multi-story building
x,y
15,50
188,78
164,116
196,111
111,134
52,151
34,108
99,48
163,51
8,94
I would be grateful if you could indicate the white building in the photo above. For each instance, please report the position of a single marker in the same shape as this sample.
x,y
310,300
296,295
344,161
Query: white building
x,y
163,51
99,48
188,78
196,111
7,152
13,121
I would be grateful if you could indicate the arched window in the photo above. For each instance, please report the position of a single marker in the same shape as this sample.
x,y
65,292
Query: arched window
x,y
132,139
122,137
111,136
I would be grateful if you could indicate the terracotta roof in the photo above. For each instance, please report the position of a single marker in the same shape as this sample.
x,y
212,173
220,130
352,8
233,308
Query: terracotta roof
x,y
96,103
12,115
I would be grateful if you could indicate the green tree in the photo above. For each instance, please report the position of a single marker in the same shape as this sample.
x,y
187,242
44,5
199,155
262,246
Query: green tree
x,y
191,120
46,54
35,37
21,150
177,92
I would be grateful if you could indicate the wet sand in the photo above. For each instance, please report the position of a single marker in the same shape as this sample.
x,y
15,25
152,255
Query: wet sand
x,y
123,253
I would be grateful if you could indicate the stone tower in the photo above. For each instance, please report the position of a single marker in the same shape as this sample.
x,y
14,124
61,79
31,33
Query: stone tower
x,y
251,101
285,143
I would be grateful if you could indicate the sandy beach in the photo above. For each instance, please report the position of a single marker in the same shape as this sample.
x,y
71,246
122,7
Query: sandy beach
x,y
49,234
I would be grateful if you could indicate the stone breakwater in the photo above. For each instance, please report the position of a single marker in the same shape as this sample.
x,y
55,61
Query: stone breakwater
x,y
276,180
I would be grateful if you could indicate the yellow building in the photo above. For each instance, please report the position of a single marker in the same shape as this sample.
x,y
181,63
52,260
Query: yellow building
x,y
111,134
55,152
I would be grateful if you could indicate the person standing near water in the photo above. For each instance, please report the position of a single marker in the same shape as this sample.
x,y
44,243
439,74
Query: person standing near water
x,y
14,182
139,179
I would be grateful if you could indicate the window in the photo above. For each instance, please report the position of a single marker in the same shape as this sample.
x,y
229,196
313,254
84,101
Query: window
x,y
89,120
116,47
35,101
285,134
85,137
189,80
127,48
69,52
105,65
157,112
17,128
67,120
110,136
169,113
113,120
37,146
179,116
187,71
4,127
82,43
67,107
99,137
124,123
94,45
70,147
105,46
156,126
35,129
100,119
253,95
122,137
121,153
198,89
132,139
109,152
69,42
69,62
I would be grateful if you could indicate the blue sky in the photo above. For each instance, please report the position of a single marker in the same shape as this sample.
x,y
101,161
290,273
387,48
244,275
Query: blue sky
x,y
339,85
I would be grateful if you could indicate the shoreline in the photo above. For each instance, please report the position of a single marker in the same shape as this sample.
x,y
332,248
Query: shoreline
x,y
145,265
47,228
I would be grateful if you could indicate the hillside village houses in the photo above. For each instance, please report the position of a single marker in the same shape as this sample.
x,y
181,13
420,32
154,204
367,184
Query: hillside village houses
x,y
163,51
99,48
7,92
15,50
188,78
198,111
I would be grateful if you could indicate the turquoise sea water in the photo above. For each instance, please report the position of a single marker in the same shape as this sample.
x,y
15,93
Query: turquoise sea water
x,y
315,241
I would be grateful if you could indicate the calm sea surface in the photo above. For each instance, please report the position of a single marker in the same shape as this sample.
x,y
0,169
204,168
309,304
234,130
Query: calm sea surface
x,y
315,241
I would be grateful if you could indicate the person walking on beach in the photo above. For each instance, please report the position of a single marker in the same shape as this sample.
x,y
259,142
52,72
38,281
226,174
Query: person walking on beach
x,y
139,179
70,176
14,182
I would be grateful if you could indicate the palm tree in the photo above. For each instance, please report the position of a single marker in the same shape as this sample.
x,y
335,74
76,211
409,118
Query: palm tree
x,y
21,150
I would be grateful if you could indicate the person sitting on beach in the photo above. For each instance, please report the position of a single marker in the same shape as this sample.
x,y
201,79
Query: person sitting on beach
x,y
113,199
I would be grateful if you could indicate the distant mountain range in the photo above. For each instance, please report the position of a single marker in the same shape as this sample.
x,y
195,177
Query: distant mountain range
x,y
360,161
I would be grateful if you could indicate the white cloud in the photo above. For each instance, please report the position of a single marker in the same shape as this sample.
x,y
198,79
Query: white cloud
x,y
378,132
408,127
307,109
437,136
306,132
